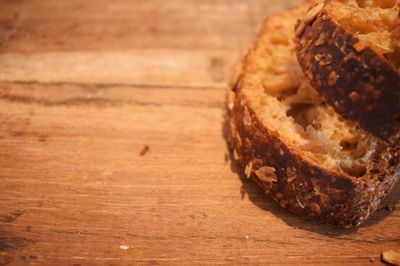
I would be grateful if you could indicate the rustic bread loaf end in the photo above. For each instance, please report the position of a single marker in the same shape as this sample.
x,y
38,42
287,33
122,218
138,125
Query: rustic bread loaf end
x,y
298,150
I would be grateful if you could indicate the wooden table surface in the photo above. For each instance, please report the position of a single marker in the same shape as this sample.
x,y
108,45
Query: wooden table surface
x,y
85,86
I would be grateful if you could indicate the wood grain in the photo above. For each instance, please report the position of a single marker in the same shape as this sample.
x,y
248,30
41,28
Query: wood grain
x,y
84,86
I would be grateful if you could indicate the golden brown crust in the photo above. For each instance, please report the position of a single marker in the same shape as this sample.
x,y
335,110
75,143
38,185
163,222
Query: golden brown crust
x,y
356,81
294,182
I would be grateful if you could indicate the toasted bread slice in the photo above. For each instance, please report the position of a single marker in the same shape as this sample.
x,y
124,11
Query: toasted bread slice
x,y
350,52
297,149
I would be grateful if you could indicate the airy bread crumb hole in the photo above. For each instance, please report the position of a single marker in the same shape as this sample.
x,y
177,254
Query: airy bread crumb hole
x,y
375,22
327,135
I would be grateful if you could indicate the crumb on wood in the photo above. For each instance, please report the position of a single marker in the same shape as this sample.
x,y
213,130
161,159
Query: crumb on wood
x,y
124,247
144,150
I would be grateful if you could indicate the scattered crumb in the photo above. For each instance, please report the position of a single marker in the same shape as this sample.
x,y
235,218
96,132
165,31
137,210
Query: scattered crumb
x,y
392,257
144,150
247,237
124,247
192,216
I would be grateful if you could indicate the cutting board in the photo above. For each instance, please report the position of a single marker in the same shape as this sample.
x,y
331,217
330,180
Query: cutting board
x,y
112,149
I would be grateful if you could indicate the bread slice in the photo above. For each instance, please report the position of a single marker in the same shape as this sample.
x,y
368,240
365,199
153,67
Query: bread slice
x,y
350,52
298,150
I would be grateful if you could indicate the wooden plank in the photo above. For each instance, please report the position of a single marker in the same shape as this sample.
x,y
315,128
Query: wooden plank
x,y
206,68
118,25
132,42
85,86
71,170
99,25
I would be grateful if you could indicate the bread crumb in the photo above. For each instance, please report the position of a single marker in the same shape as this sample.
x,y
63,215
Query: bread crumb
x,y
144,150
247,237
124,247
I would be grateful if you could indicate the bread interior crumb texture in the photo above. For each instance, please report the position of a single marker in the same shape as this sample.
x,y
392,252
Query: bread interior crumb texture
x,y
277,89
374,21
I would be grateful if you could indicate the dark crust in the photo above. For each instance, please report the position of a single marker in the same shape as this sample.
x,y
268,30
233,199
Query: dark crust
x,y
315,192
358,83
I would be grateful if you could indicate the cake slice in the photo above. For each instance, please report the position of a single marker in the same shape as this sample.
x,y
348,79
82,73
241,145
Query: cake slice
x,y
350,52
302,154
